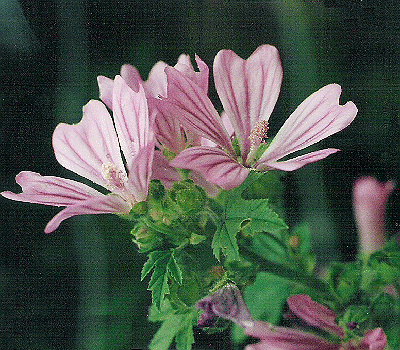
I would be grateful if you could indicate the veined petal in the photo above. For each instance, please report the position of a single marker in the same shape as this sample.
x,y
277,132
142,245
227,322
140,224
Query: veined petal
x,y
140,172
130,75
213,164
248,89
295,163
102,205
191,105
317,117
281,338
169,133
314,313
50,190
200,78
85,147
163,171
131,117
156,84
226,302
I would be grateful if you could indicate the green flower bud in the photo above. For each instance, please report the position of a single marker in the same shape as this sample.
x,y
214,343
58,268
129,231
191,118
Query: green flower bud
x,y
145,238
139,208
188,196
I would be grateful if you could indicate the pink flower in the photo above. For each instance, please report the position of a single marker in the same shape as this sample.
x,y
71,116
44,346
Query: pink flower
x,y
91,149
370,199
169,132
318,316
248,90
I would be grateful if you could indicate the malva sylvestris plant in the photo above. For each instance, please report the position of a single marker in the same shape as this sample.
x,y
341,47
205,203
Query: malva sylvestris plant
x,y
195,185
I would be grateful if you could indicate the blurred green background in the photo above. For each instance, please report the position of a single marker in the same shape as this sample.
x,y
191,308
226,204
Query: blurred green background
x,y
79,287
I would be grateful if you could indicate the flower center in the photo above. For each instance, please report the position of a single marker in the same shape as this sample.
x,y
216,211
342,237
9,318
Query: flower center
x,y
257,137
115,177
259,134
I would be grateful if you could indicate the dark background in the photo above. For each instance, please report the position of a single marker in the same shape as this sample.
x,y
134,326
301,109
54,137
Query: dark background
x,y
79,287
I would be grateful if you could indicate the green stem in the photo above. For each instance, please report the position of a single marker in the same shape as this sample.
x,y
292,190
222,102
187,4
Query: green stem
x,y
296,276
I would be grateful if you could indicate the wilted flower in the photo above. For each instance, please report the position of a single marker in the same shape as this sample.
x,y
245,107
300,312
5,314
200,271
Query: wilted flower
x,y
92,149
248,90
226,302
370,199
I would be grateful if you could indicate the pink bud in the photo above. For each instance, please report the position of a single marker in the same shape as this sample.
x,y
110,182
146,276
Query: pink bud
x,y
370,198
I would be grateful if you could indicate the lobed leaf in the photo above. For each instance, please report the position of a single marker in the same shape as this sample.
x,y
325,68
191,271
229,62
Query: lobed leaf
x,y
250,216
164,266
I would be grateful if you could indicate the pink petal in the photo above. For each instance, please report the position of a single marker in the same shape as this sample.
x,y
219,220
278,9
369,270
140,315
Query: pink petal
x,y
163,171
281,338
213,164
190,104
50,190
156,84
169,130
105,87
102,205
131,77
314,313
169,133
248,89
374,339
296,163
131,117
318,117
84,147
200,78
140,172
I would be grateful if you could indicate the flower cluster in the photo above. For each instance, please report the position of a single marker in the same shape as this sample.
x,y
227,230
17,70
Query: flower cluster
x,y
168,123
188,178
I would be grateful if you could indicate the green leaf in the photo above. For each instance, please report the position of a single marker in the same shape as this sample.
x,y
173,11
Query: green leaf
x,y
345,279
185,338
225,242
271,248
175,325
265,298
165,267
386,263
243,215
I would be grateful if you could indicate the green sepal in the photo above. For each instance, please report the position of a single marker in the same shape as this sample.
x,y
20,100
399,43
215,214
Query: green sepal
x,y
352,321
146,238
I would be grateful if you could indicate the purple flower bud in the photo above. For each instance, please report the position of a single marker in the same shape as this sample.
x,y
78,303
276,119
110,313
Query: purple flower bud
x,y
227,303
